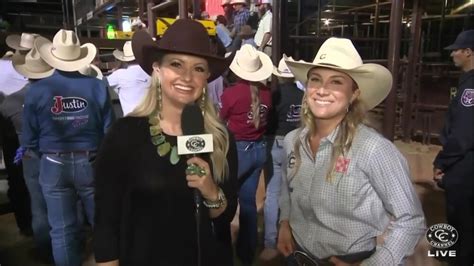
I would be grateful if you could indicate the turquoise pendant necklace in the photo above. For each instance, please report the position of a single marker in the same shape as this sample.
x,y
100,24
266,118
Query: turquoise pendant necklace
x,y
163,147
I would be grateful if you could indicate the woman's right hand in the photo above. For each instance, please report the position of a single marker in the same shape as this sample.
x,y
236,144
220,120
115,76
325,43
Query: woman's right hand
x,y
286,243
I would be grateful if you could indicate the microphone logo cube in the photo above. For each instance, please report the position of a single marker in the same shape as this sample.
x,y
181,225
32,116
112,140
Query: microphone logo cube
x,y
195,144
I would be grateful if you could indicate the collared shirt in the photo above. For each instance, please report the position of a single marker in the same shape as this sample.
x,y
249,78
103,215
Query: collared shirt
x,y
240,19
10,80
370,191
264,26
224,35
131,84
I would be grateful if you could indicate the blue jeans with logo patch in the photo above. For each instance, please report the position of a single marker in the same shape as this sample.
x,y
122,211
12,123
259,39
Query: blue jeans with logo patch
x,y
252,157
64,178
39,224
270,210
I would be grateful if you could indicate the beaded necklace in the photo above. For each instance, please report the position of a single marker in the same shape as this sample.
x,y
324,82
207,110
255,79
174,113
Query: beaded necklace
x,y
159,140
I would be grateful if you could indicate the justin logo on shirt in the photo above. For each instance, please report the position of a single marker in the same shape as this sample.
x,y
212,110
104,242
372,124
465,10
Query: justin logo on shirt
x,y
68,105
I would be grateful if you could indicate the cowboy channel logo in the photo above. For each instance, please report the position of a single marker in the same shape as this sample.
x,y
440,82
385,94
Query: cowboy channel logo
x,y
195,144
442,236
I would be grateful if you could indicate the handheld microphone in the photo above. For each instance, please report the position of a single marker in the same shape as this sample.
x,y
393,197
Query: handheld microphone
x,y
194,141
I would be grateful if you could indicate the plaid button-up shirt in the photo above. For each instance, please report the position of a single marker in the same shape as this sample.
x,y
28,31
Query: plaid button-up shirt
x,y
240,19
370,191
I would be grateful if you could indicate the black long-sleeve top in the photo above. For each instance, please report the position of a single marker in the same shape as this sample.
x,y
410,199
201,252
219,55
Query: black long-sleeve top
x,y
145,212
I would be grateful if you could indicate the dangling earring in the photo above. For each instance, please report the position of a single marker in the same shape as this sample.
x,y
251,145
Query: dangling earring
x,y
158,98
202,104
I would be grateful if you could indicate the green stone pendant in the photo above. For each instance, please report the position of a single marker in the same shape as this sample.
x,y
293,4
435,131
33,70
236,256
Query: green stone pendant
x,y
155,130
154,120
158,139
174,157
164,148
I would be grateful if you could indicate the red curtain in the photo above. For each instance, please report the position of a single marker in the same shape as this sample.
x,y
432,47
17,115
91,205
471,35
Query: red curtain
x,y
213,7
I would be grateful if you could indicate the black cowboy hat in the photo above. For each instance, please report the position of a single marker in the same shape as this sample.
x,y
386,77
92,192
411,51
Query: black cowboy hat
x,y
183,36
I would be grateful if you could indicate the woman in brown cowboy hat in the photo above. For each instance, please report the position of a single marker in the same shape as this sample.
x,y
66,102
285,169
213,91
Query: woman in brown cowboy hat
x,y
144,190
343,184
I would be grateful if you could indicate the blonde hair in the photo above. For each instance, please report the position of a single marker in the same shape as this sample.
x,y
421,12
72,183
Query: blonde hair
x,y
212,125
255,105
347,129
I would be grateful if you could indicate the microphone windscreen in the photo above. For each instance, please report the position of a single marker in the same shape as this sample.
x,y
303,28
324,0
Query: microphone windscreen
x,y
192,121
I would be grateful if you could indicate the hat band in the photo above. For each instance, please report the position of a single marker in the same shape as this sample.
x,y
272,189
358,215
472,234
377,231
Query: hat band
x,y
66,53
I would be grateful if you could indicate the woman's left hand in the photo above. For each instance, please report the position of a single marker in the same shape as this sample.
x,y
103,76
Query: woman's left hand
x,y
205,183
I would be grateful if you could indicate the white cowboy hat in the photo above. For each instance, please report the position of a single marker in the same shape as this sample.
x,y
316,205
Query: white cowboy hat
x,y
283,71
31,65
252,65
23,42
127,54
234,2
65,52
373,80
92,71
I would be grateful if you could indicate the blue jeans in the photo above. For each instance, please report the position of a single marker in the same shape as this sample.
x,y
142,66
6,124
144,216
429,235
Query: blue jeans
x,y
64,178
39,224
252,156
273,191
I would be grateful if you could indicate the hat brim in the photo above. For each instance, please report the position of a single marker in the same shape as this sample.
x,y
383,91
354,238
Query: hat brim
x,y
119,55
87,55
454,47
373,80
19,64
263,73
13,41
280,74
147,52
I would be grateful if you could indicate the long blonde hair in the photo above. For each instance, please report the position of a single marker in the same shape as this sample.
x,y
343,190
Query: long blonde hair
x,y
347,129
255,105
212,125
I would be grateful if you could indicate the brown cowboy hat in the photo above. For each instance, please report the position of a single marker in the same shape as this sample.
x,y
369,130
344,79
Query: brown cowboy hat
x,y
184,36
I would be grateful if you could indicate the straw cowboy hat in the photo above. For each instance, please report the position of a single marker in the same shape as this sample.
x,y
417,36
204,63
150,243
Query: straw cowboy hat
x,y
92,71
126,55
184,36
23,43
252,65
373,80
235,2
283,71
65,52
31,65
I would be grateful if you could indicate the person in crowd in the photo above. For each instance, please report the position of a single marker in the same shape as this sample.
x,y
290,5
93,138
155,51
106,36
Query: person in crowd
x,y
228,13
343,184
145,205
130,82
34,68
246,35
241,16
222,32
65,117
284,117
453,166
11,82
263,36
245,107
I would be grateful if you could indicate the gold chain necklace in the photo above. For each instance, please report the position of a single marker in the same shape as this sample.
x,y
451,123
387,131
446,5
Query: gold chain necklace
x,y
159,140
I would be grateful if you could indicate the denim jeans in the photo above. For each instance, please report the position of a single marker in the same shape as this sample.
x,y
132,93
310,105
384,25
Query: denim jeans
x,y
40,225
64,178
273,191
252,156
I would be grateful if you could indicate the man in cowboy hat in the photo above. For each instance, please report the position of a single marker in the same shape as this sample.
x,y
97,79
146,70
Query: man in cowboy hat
x,y
34,68
284,117
241,16
263,36
228,13
453,167
75,112
11,82
130,82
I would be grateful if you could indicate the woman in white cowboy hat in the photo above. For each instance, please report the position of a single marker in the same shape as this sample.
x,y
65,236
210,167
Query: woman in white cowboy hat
x,y
146,209
284,117
245,107
130,82
65,118
343,183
